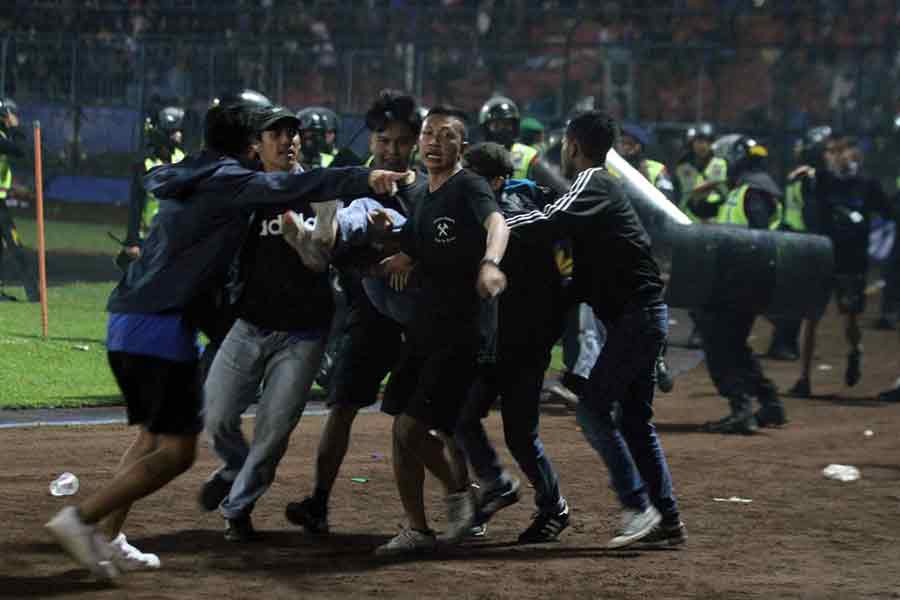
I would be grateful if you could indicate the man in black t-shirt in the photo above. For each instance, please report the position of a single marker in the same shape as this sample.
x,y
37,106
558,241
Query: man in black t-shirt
x,y
283,309
372,341
616,274
457,237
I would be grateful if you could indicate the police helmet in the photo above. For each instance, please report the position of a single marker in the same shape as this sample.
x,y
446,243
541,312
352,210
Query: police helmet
x,y
498,107
582,105
248,97
332,122
700,130
313,118
739,151
7,106
171,118
811,147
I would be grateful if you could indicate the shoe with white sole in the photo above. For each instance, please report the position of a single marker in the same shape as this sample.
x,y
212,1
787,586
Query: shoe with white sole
x,y
408,541
128,558
82,543
636,525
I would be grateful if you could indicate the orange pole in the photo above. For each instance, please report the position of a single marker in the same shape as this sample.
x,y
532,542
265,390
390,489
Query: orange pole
x,y
42,246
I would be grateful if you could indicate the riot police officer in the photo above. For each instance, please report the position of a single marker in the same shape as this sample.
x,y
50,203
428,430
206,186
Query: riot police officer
x,y
700,175
500,120
164,139
754,201
9,236
317,127
632,141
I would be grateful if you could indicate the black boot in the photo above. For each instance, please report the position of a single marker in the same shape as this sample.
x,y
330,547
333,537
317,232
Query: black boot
x,y
741,419
771,413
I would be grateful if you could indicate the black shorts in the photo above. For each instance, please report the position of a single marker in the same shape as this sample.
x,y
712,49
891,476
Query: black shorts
x,y
372,346
850,293
163,396
433,386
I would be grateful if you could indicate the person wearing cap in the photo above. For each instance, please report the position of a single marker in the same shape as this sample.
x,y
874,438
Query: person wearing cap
x,y
9,235
532,133
632,141
283,308
164,138
206,205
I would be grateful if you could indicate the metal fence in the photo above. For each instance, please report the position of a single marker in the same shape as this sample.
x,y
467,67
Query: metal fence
x,y
772,73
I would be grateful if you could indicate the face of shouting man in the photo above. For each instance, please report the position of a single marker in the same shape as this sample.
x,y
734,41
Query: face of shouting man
x,y
441,143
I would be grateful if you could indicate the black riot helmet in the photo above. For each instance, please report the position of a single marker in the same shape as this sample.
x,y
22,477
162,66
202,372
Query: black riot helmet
x,y
700,130
499,119
811,148
313,126
741,152
171,119
248,97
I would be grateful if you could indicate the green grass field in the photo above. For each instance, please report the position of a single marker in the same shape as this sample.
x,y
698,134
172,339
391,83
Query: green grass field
x,y
64,235
67,369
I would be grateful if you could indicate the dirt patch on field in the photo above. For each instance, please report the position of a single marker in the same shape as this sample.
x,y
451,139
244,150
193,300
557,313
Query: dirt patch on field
x,y
801,536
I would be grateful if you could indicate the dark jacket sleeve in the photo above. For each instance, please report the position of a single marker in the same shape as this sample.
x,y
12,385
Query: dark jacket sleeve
x,y
136,200
588,196
297,190
10,148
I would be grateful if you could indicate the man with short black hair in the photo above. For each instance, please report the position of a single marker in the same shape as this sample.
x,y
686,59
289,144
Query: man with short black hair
x,y
372,342
457,237
205,202
626,294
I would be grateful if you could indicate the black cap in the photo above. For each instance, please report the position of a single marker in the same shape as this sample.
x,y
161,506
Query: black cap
x,y
271,115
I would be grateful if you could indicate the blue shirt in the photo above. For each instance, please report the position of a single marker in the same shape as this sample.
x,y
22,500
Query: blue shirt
x,y
161,335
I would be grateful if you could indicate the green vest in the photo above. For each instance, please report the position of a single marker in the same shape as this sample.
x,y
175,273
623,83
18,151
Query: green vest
x,y
325,159
793,206
151,206
689,178
732,212
5,172
521,156
651,170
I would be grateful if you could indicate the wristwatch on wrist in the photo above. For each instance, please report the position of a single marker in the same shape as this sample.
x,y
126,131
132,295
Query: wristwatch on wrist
x,y
489,261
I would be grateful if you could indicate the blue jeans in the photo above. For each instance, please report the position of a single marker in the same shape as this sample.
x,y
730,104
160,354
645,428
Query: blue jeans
x,y
626,375
285,366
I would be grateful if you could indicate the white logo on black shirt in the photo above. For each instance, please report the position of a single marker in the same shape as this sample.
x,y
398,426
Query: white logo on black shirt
x,y
443,230
275,226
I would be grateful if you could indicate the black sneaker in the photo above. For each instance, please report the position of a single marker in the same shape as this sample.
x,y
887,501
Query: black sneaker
x,y
854,368
240,530
666,535
890,395
308,514
496,499
771,415
214,490
546,527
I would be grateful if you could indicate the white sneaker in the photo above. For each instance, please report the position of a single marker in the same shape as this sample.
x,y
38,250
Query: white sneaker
x,y
82,543
408,541
128,558
636,525
460,516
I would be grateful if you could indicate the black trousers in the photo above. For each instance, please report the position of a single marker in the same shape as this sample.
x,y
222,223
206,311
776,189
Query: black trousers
x,y
732,366
9,240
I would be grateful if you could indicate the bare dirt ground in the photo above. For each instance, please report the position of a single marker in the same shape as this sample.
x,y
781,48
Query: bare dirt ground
x,y
801,536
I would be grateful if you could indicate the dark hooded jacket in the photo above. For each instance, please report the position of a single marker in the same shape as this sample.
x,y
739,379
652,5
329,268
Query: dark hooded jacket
x,y
206,203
